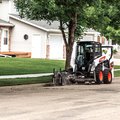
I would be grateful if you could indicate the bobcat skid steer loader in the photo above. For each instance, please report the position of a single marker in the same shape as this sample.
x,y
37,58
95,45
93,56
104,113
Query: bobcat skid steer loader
x,y
91,62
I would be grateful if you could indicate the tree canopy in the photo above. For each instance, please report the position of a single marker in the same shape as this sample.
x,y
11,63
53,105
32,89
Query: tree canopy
x,y
106,20
74,16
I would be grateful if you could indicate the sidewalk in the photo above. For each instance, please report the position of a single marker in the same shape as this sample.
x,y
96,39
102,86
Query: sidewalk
x,y
25,76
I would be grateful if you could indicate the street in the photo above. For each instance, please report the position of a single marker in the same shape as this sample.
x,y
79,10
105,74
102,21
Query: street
x,y
74,102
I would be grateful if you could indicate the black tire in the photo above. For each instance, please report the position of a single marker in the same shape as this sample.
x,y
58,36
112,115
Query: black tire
x,y
99,76
107,76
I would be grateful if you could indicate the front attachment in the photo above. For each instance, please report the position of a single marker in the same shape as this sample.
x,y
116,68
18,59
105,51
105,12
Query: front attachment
x,y
61,78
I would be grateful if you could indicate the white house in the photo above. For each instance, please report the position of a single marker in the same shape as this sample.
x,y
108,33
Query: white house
x,y
5,31
92,35
36,38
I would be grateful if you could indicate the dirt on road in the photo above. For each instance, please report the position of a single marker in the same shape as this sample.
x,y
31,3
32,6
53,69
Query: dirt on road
x,y
74,102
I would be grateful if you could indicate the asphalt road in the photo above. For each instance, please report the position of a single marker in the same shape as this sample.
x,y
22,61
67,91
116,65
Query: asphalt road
x,y
74,102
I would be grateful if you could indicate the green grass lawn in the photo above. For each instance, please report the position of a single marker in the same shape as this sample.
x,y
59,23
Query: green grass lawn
x,y
24,81
117,73
116,67
14,66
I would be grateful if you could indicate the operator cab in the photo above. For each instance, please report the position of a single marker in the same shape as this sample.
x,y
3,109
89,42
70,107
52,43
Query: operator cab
x,y
86,52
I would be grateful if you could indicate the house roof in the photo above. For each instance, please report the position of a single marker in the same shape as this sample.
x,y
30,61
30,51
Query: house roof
x,y
91,31
5,23
44,25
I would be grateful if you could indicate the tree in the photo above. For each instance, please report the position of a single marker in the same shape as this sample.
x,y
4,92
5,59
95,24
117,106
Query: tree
x,y
113,29
106,20
71,14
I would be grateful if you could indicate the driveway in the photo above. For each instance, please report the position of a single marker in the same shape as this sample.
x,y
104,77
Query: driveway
x,y
74,102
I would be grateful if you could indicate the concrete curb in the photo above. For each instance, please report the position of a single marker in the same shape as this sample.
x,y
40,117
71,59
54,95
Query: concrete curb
x,y
25,76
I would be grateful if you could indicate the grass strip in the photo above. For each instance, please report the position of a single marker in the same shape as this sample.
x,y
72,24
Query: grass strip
x,y
18,66
117,67
24,81
117,73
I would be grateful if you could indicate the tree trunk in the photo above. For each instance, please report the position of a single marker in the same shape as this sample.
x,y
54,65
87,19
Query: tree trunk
x,y
68,57
71,37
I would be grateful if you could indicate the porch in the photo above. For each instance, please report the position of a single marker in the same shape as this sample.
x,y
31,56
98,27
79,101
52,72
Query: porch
x,y
5,35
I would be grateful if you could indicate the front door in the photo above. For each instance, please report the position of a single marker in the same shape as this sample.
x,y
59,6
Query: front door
x,y
5,40
36,46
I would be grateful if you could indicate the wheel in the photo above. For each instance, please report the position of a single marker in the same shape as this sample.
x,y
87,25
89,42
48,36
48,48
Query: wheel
x,y
99,76
107,76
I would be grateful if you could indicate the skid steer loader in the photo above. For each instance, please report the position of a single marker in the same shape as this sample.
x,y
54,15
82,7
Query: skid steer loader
x,y
91,62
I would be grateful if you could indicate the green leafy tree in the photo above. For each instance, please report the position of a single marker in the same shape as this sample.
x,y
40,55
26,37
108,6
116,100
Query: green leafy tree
x,y
113,29
71,14
106,20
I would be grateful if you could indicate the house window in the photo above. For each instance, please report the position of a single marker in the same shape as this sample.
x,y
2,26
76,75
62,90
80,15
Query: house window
x,y
5,37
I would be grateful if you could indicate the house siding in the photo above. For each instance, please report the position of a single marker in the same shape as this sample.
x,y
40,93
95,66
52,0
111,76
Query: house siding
x,y
12,8
19,44
5,10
